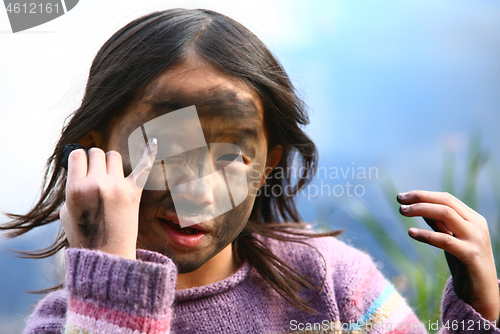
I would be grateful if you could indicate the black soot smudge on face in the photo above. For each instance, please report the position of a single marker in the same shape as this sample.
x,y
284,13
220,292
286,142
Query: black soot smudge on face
x,y
225,118
93,227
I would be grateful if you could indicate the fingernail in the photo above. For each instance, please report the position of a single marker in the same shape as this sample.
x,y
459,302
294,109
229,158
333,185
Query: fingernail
x,y
402,195
413,232
405,208
152,144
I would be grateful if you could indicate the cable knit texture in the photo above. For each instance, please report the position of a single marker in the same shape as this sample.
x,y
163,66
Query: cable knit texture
x,y
109,294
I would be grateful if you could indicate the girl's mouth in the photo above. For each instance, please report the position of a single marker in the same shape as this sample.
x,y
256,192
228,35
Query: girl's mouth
x,y
182,236
178,228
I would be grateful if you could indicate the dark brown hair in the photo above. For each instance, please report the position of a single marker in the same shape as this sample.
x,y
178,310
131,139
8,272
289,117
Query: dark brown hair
x,y
133,57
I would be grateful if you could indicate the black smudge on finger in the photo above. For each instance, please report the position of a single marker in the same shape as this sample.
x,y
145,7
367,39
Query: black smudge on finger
x,y
93,227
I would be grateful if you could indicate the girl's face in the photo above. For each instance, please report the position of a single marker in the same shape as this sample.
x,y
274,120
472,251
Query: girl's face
x,y
229,112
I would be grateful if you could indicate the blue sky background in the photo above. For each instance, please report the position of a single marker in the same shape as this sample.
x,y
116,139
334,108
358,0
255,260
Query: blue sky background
x,y
390,84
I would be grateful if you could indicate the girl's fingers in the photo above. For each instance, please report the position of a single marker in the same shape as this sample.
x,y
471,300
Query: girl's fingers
x,y
140,174
444,241
97,162
449,217
443,198
443,228
77,165
114,164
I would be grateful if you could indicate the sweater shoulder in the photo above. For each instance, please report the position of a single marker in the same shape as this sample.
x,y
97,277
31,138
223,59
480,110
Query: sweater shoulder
x,y
331,261
49,315
330,251
352,280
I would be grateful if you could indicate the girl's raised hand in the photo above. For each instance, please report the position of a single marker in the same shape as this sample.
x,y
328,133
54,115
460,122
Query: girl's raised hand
x,y
102,206
463,234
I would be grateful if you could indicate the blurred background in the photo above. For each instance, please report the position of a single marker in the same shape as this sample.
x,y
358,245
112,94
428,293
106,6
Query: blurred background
x,y
403,95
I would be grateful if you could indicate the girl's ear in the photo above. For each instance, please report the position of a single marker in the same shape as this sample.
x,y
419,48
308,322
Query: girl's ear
x,y
273,158
91,139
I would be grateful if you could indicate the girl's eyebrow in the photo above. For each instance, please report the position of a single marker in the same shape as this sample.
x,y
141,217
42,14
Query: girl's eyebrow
x,y
214,103
242,110
239,133
165,105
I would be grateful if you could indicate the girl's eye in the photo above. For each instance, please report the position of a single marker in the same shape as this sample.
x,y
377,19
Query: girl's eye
x,y
228,157
174,160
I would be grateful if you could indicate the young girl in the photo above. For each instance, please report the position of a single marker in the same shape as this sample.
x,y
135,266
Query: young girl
x,y
218,117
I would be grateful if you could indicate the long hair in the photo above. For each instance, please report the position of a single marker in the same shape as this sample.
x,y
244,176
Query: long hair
x,y
133,57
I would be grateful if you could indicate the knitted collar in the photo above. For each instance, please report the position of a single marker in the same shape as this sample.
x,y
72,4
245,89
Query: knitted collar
x,y
214,288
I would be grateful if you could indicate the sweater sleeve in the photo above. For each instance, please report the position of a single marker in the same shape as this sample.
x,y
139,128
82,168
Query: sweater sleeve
x,y
367,301
458,317
109,294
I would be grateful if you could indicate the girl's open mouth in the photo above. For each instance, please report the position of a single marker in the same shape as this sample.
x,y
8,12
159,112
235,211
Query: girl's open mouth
x,y
182,236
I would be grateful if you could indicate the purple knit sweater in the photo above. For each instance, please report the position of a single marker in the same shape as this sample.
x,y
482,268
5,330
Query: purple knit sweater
x,y
109,294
